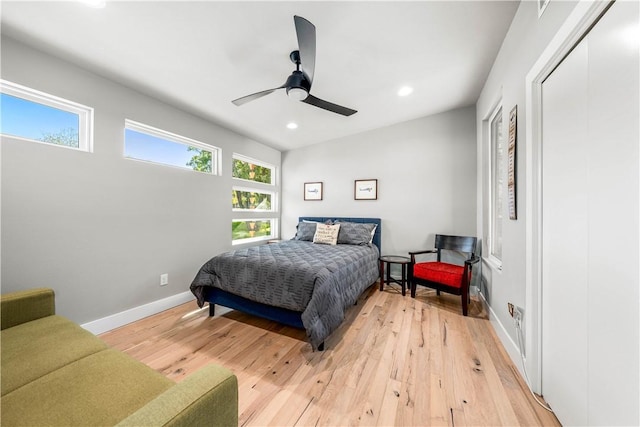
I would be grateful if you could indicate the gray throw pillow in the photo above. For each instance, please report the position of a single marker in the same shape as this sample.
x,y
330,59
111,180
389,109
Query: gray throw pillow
x,y
305,231
353,233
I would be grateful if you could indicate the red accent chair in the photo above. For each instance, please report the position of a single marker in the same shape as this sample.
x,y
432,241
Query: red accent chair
x,y
443,276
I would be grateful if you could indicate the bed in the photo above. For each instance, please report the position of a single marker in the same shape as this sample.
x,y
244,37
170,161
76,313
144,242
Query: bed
x,y
296,282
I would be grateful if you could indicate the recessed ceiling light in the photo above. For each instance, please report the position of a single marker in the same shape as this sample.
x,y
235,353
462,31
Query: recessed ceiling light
x,y
405,90
292,125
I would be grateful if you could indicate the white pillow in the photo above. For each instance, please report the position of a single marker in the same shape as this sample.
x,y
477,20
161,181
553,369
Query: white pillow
x,y
373,233
326,234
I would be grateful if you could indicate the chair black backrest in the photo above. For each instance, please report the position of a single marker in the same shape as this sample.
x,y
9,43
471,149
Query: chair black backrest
x,y
456,243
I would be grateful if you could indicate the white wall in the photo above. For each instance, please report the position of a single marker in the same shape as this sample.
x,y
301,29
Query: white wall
x,y
526,39
96,227
426,171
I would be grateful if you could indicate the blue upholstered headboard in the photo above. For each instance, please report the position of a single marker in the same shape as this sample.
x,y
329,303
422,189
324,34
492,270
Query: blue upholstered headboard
x,y
377,237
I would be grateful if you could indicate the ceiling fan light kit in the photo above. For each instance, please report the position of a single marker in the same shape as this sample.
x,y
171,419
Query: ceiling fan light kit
x,y
298,84
297,93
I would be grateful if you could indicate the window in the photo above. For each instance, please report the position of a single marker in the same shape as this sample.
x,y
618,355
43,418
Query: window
x,y
246,199
496,190
251,170
255,199
31,115
142,142
250,230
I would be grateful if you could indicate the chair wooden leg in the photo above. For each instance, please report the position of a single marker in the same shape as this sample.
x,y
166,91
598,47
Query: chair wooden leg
x,y
413,289
465,302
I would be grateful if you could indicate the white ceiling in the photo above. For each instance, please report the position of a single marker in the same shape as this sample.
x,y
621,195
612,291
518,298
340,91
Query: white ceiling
x,y
200,55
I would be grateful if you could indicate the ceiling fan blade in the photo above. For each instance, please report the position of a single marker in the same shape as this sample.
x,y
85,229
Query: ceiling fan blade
x,y
306,32
254,96
325,105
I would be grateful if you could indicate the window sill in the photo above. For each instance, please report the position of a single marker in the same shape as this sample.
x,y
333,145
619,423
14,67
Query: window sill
x,y
493,263
252,240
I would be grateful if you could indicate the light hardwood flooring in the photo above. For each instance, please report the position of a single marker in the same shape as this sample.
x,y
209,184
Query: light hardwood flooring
x,y
394,361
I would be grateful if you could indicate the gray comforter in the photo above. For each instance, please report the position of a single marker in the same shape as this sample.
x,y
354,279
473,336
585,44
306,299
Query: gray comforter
x,y
320,281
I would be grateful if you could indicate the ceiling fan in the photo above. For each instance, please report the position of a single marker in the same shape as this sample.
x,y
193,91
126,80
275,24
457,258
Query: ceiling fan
x,y
298,84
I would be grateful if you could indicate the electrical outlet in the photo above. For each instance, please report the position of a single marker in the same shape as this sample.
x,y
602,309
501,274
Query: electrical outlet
x,y
164,279
518,313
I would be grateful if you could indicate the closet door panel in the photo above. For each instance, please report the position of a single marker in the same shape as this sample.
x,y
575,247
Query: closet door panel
x,y
613,70
565,164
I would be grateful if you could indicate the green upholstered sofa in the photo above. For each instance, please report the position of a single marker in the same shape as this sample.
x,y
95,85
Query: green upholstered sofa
x,y
56,373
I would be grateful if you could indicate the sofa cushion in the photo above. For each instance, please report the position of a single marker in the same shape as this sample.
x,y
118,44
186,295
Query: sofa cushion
x,y
36,348
101,389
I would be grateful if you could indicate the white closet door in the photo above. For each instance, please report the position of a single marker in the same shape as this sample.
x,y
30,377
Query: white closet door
x,y
614,338
565,240
590,195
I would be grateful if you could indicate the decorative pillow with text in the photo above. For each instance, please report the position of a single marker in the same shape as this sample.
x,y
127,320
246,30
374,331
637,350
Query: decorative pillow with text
x,y
326,234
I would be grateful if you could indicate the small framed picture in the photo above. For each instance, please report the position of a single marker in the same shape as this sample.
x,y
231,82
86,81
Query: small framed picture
x,y
313,191
366,189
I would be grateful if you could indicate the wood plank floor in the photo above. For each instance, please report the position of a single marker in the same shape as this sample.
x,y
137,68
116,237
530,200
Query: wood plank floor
x,y
394,361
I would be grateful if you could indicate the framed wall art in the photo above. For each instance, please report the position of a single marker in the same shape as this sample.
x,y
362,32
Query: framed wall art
x,y
313,191
366,189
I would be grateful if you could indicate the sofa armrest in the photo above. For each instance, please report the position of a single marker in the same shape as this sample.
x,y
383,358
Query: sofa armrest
x,y
209,397
25,306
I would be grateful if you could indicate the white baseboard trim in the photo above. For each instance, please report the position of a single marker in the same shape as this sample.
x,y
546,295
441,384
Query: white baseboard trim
x,y
507,342
108,323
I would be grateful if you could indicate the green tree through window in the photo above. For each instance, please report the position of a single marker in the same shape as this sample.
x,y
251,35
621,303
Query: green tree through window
x,y
67,137
201,161
251,172
250,228
251,200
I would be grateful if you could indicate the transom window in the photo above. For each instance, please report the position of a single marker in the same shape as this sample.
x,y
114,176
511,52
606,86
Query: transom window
x,y
143,142
30,115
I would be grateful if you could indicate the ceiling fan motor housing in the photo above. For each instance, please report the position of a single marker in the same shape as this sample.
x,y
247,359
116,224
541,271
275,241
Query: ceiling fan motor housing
x,y
297,80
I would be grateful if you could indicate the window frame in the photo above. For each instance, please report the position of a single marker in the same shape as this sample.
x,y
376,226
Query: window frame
x,y
257,187
84,113
216,152
495,186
